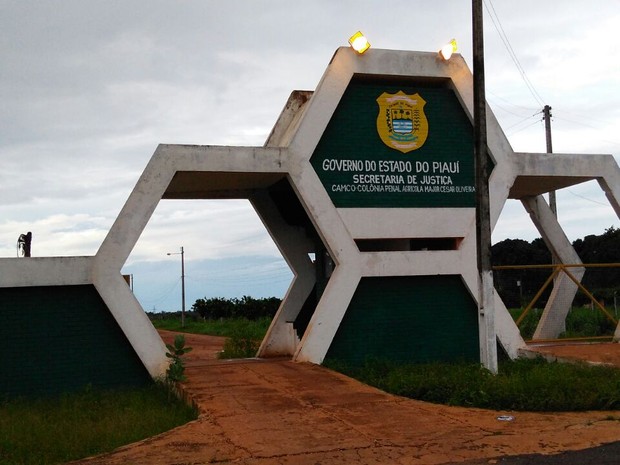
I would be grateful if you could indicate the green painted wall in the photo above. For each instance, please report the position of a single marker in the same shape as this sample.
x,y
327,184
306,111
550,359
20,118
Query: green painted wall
x,y
60,339
409,319
357,168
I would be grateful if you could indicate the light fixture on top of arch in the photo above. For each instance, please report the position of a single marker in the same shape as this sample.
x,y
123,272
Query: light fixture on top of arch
x,y
359,43
448,49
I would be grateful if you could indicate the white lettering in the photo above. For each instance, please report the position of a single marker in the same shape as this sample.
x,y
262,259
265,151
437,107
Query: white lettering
x,y
332,164
442,167
422,166
395,166
432,180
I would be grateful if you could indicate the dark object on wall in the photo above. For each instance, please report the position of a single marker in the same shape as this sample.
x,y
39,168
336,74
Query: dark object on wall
x,y
24,243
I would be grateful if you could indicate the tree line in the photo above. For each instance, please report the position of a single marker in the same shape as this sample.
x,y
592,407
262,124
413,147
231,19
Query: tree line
x,y
246,307
517,287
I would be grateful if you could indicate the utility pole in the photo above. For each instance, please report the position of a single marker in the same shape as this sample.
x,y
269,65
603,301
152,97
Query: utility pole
x,y
552,200
486,313
182,288
182,254
547,118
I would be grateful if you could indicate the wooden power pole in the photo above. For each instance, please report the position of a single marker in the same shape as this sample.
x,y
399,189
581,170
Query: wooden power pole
x,y
547,118
486,318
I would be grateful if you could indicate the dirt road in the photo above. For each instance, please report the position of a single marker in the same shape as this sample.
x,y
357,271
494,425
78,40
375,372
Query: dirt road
x,y
278,412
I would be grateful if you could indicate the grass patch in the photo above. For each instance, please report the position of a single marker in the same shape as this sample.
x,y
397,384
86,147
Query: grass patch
x,y
244,339
522,385
243,335
239,346
229,327
586,322
580,322
74,426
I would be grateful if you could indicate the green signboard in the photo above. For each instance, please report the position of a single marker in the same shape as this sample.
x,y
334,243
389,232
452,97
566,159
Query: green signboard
x,y
397,145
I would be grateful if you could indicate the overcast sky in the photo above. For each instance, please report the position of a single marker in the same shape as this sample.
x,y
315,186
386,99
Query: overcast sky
x,y
89,89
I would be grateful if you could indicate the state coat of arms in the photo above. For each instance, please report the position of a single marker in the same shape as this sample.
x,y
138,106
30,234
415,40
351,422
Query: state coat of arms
x,y
401,123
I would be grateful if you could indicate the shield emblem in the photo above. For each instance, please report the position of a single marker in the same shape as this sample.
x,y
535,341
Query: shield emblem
x,y
401,122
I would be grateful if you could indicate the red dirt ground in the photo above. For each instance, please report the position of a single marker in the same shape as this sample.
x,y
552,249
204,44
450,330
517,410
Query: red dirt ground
x,y
264,412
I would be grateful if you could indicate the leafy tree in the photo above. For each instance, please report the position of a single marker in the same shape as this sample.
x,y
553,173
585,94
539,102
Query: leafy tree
x,y
214,308
603,282
246,307
517,286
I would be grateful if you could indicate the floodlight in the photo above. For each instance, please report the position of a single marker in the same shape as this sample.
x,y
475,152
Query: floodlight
x,y
359,43
448,49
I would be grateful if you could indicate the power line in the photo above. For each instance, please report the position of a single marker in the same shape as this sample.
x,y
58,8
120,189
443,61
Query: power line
x,y
527,118
502,34
524,128
163,296
581,123
589,200
506,110
521,107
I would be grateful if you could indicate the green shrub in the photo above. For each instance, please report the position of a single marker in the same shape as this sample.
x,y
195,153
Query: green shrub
x,y
176,352
242,342
239,347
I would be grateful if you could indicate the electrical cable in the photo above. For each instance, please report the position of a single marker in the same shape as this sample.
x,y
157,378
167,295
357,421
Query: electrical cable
x,y
164,295
524,128
522,121
505,110
502,34
528,109
589,200
580,123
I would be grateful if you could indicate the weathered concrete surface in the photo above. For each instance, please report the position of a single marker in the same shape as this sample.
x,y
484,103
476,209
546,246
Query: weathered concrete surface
x,y
280,412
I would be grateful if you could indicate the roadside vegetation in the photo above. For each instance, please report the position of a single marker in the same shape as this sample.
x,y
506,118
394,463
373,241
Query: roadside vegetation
x,y
243,322
243,336
581,322
73,426
522,385
225,327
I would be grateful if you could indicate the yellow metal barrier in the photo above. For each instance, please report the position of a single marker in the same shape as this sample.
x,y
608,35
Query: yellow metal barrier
x,y
556,271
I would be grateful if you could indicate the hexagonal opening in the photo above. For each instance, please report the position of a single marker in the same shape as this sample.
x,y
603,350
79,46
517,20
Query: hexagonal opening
x,y
255,202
